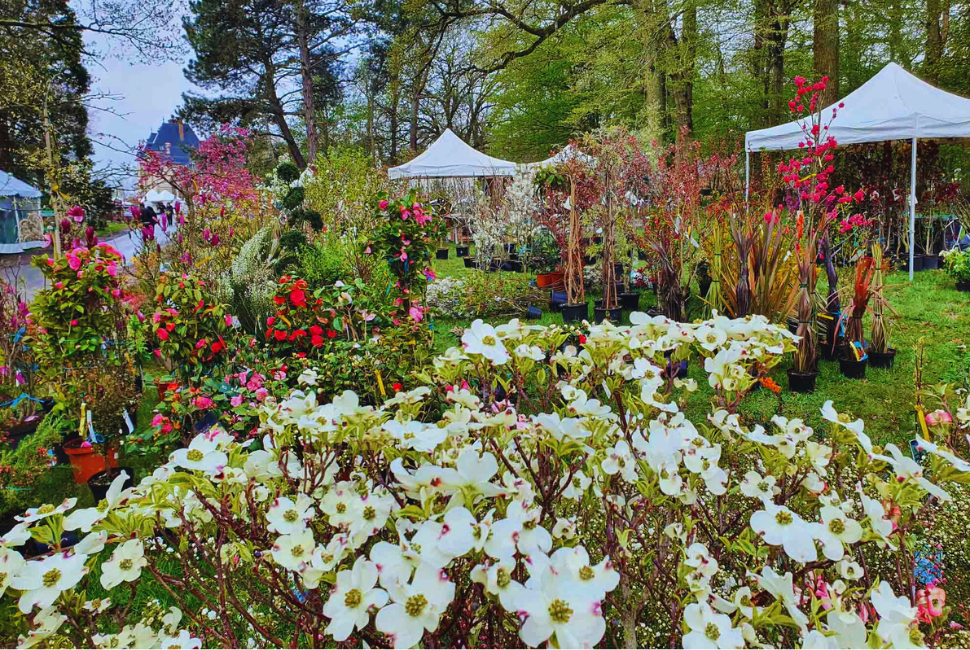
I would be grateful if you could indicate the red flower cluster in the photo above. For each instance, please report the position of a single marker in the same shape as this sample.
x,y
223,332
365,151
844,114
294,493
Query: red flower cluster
x,y
300,322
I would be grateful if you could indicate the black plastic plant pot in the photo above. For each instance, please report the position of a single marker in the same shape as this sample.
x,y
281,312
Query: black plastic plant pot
x,y
704,286
461,251
533,313
802,382
441,254
600,314
558,298
882,359
963,285
918,261
587,260
470,263
618,269
630,301
513,266
510,249
853,369
100,482
575,313
931,263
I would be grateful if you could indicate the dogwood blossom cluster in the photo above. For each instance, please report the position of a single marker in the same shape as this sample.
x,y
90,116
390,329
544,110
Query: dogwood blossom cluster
x,y
536,490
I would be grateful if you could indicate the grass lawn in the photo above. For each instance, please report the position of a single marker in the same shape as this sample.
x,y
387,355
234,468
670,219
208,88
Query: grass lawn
x,y
930,308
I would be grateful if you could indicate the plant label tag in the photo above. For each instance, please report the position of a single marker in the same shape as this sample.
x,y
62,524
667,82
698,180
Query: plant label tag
x,y
128,423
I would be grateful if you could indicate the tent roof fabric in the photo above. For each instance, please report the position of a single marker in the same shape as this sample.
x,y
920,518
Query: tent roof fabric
x,y
11,186
450,157
893,105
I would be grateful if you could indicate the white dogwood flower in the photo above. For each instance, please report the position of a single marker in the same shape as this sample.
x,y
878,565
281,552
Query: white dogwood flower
x,y
781,527
708,629
497,578
42,581
294,551
88,517
286,517
352,598
125,564
482,339
835,530
202,454
417,607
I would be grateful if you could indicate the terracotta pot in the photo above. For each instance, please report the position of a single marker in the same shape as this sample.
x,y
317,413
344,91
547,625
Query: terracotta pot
x,y
86,461
543,280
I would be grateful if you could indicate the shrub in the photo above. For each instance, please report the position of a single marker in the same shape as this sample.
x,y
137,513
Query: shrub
x,y
957,264
21,468
287,172
293,199
322,263
482,295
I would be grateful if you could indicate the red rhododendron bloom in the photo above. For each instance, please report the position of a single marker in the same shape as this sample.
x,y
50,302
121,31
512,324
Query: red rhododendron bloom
x,y
316,340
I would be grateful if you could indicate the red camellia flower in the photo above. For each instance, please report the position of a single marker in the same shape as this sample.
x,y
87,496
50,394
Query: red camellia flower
x,y
331,334
270,321
396,386
162,334
217,346
279,300
316,330
582,339
280,335
316,340
298,297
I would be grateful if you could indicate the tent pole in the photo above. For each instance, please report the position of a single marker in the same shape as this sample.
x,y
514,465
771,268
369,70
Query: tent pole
x,y
912,212
747,174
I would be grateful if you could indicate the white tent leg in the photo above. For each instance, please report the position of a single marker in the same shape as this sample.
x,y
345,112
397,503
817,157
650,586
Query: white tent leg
x,y
747,174
912,212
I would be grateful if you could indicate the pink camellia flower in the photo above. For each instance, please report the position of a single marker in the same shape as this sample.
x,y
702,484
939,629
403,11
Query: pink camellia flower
x,y
74,323
228,319
236,401
200,344
76,213
157,420
383,205
74,262
938,417
416,313
262,394
203,402
58,285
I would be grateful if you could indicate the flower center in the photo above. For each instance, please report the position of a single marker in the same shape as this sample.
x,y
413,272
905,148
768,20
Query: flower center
x,y
45,509
746,600
763,486
341,508
415,605
915,636
502,578
96,604
843,418
297,551
560,612
711,632
489,340
369,513
577,483
103,505
477,531
51,578
125,565
586,573
529,525
353,599
783,518
195,455
290,516
836,527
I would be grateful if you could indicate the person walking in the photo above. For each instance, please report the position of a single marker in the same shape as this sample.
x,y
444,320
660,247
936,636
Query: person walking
x,y
148,221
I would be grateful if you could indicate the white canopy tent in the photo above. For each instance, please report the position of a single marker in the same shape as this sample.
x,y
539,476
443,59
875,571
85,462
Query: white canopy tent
x,y
450,157
893,105
154,196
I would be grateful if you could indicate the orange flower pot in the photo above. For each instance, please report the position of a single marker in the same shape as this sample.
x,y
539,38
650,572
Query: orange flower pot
x,y
544,280
86,462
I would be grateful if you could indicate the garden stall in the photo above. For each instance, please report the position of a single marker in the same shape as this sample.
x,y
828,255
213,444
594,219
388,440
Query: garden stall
x,y
21,227
893,105
449,158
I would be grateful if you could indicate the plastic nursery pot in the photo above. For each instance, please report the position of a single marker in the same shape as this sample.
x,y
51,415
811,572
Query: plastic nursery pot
x,y
802,382
544,280
515,266
100,482
641,256
853,369
931,263
533,313
470,262
441,254
557,299
917,263
963,285
461,251
630,301
600,314
882,359
704,286
575,313
21,430
86,462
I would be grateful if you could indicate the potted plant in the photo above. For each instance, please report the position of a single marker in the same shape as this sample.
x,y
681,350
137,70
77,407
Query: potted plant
x,y
881,355
957,265
575,309
854,359
929,221
545,260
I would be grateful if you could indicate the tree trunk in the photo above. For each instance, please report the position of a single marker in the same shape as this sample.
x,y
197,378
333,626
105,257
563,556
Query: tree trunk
x,y
826,49
934,41
309,114
776,63
279,116
415,106
395,105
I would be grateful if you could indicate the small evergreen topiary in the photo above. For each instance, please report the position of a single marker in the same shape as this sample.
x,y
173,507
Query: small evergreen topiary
x,y
287,172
